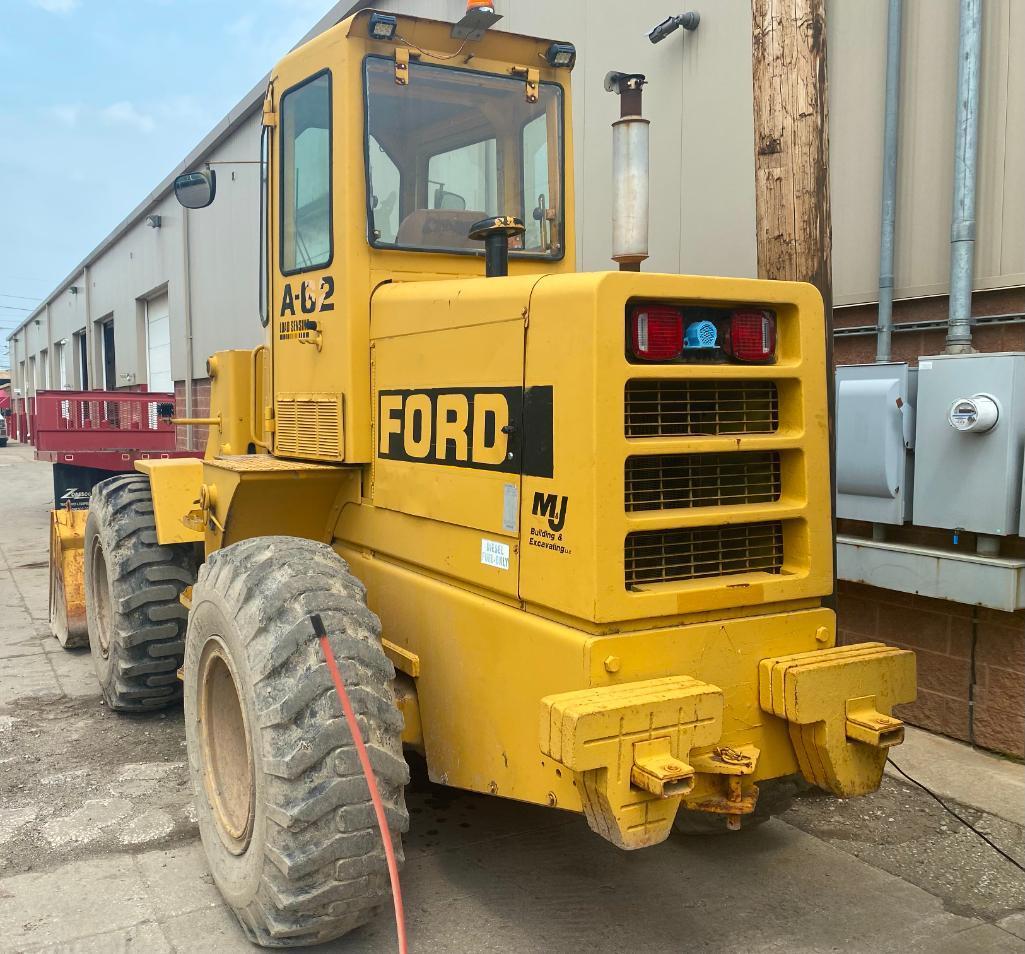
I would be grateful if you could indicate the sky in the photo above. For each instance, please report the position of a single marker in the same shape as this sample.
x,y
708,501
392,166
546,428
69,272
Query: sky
x,y
99,101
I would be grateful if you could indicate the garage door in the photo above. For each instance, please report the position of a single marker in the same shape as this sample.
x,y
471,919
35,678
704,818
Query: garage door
x,y
158,345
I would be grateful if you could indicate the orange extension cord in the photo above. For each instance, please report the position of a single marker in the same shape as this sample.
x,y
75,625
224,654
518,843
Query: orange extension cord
x,y
364,760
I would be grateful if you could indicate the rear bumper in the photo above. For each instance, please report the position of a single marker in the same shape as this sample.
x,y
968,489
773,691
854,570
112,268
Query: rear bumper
x,y
735,711
510,702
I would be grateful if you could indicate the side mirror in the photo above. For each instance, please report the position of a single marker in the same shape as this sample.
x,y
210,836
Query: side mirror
x,y
196,190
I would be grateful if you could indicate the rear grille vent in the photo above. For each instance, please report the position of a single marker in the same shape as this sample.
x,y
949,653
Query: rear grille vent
x,y
680,407
679,481
669,556
308,425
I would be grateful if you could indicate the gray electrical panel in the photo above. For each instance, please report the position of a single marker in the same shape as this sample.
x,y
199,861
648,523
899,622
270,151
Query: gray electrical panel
x,y
1021,515
970,442
874,436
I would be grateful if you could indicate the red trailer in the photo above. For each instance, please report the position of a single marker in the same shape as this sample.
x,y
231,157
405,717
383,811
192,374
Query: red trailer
x,y
89,436
6,411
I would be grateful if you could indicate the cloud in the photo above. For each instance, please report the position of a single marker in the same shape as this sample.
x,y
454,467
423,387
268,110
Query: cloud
x,y
56,6
67,114
123,113
183,109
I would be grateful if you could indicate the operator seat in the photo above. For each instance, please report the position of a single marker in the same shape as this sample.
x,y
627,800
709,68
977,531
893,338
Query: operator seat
x,y
438,228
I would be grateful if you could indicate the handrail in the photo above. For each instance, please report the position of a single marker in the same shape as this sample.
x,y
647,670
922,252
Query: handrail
x,y
255,395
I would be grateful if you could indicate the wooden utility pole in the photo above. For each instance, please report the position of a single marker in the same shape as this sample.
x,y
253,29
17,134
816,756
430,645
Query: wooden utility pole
x,y
791,110
791,126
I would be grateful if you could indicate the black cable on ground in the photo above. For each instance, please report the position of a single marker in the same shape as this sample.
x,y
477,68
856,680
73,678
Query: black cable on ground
x,y
963,821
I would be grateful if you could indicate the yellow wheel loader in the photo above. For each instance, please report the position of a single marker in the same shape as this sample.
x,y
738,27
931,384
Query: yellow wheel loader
x,y
569,532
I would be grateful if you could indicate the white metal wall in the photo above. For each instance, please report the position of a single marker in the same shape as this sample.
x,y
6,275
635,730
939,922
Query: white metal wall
x,y
857,59
148,262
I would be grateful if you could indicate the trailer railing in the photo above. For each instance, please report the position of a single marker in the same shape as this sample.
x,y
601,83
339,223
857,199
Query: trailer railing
x,y
82,421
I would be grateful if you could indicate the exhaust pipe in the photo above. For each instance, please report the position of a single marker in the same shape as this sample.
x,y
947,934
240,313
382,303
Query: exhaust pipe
x,y
629,173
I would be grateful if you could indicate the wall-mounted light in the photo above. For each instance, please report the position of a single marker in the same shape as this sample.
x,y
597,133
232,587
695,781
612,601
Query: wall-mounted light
x,y
689,21
73,289
153,221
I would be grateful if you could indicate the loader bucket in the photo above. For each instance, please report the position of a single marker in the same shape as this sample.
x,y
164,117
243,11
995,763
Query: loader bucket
x,y
67,577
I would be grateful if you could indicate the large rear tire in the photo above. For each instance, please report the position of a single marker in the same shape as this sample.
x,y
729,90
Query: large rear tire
x,y
283,807
133,587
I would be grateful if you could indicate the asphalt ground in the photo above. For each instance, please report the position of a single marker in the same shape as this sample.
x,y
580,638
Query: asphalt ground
x,y
99,850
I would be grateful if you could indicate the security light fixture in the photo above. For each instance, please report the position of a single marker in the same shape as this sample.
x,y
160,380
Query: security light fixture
x,y
153,221
561,55
689,21
382,26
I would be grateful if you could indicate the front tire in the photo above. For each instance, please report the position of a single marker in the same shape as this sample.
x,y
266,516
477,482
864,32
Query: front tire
x,y
282,803
133,586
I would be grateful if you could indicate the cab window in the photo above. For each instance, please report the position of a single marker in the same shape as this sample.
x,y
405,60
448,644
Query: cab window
x,y
464,178
384,177
455,146
306,175
536,213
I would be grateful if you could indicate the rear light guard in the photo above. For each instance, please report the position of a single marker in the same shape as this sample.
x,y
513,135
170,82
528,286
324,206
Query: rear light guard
x,y
665,333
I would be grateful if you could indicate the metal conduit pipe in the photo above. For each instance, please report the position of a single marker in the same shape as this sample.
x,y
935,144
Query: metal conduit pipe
x,y
966,150
889,210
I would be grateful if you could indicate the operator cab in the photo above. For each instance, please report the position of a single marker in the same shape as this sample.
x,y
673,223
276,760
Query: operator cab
x,y
400,156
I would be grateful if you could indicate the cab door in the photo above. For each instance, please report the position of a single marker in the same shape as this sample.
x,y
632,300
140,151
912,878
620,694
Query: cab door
x,y
308,399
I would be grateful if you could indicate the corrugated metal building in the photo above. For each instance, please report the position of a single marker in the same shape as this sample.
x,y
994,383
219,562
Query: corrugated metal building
x,y
167,287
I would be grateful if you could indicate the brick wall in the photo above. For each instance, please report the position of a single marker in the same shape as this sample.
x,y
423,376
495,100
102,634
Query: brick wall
x,y
200,408
907,346
971,661
999,696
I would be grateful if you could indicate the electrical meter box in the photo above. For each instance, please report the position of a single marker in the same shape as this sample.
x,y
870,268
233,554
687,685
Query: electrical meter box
x,y
875,430
970,442
1021,516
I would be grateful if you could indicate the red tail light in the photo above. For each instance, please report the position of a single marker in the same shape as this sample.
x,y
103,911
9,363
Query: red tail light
x,y
656,332
752,336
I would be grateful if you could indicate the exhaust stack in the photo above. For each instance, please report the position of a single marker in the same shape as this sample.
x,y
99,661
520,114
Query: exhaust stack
x,y
629,173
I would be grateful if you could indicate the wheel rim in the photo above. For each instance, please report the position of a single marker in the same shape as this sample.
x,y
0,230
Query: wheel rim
x,y
100,596
228,774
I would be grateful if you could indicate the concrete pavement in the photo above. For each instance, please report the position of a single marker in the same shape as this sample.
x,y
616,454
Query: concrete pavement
x,y
99,851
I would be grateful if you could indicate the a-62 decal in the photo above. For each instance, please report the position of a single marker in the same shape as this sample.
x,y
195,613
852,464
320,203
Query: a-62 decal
x,y
309,298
